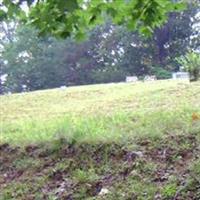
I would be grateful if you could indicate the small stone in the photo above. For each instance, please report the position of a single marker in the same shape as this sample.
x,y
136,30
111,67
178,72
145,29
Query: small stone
x,y
138,153
104,191
130,156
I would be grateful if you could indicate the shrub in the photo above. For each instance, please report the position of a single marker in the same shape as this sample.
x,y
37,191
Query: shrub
x,y
161,73
191,63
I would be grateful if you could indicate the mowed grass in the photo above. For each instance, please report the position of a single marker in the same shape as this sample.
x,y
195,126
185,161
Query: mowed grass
x,y
101,113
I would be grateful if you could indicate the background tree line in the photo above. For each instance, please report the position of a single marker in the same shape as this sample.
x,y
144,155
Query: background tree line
x,y
110,53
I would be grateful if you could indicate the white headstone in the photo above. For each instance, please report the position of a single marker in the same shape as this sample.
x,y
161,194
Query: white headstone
x,y
181,75
63,87
130,79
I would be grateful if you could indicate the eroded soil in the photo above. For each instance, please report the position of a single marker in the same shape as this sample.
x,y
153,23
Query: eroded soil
x,y
168,168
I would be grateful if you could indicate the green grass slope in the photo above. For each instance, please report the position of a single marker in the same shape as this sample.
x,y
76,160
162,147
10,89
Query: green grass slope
x,y
99,112
110,141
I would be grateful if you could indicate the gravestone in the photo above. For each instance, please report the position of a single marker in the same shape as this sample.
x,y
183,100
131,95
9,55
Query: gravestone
x,y
131,79
63,87
181,75
150,78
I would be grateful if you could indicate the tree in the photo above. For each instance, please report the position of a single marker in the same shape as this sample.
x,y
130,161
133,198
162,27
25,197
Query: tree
x,y
75,16
157,54
174,37
78,62
7,30
33,63
108,55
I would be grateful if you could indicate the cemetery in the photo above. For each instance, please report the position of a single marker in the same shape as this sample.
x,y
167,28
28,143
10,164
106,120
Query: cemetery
x,y
99,100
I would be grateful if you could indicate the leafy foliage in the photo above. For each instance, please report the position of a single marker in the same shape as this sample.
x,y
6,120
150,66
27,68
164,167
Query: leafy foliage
x,y
161,73
191,63
109,54
75,16
32,62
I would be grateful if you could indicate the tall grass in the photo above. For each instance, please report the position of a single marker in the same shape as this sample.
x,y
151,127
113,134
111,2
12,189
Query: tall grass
x,y
108,113
120,127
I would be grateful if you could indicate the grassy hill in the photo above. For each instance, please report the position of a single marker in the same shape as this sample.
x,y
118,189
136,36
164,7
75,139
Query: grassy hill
x,y
109,141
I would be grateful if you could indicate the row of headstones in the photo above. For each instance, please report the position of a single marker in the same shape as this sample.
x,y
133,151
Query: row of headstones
x,y
130,79
175,76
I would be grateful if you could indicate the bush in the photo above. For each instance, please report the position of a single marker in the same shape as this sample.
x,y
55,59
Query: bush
x,y
191,63
161,73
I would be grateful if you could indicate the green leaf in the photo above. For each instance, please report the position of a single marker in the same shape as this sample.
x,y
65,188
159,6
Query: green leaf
x,y
2,15
80,36
93,19
71,5
180,6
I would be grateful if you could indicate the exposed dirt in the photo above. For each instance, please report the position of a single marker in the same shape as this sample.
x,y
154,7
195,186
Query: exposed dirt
x,y
107,171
